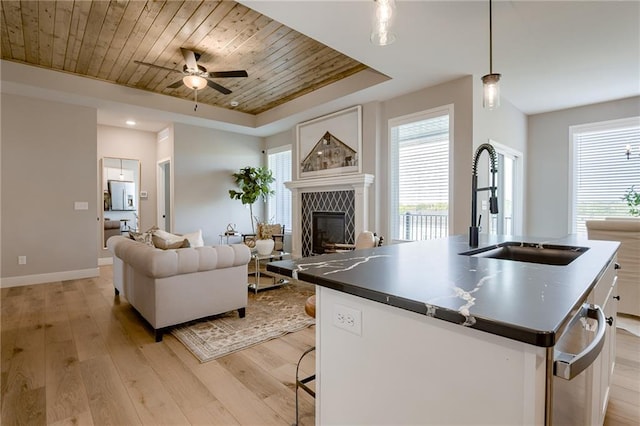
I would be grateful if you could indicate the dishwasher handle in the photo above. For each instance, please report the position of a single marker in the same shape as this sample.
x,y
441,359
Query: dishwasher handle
x,y
567,366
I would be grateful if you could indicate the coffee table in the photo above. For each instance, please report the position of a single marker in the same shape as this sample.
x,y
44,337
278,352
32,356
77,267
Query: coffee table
x,y
276,281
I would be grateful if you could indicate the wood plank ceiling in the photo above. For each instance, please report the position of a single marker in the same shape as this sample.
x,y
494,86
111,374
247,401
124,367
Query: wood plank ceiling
x,y
102,39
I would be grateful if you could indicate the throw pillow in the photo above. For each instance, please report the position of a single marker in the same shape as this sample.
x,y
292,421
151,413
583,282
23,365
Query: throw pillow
x,y
166,240
195,238
142,237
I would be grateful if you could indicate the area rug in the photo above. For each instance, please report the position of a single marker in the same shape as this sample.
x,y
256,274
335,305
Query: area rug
x,y
269,314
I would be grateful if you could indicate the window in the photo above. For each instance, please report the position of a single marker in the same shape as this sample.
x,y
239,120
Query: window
x,y
420,175
602,174
279,206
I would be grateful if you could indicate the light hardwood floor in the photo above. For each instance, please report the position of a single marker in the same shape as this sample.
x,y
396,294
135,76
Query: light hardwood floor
x,y
72,353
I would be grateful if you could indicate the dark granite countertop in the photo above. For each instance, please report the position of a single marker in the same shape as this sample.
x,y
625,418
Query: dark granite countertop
x,y
524,301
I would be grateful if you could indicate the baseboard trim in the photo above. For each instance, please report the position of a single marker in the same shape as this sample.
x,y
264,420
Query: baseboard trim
x,y
48,278
104,261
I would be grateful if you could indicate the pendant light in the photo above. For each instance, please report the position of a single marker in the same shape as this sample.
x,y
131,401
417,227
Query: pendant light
x,y
121,174
490,82
382,32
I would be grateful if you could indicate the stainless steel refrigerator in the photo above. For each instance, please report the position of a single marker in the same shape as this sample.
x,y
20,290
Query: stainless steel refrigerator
x,y
122,194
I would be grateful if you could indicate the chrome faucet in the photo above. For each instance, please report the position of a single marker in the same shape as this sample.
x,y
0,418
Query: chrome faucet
x,y
493,200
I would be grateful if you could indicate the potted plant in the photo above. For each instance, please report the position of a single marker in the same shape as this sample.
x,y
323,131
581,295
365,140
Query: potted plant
x,y
632,197
253,182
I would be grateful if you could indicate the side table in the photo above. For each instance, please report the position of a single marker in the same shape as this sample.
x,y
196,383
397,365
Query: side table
x,y
276,282
225,237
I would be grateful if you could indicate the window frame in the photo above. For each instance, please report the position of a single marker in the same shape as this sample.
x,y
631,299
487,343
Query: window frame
x,y
273,151
599,126
392,208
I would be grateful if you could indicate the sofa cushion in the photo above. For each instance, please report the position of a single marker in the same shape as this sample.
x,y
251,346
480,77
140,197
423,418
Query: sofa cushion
x,y
165,240
157,263
111,224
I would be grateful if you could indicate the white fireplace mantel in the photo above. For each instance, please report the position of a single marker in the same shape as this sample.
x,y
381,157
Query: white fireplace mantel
x,y
357,182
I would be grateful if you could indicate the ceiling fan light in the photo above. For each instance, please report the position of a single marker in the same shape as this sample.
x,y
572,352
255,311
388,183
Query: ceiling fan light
x,y
382,32
491,92
194,82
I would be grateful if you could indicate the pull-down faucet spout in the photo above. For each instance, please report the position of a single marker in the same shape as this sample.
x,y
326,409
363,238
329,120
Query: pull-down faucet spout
x,y
493,200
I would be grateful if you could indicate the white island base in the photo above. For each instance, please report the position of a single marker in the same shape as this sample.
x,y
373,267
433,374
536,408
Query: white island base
x,y
407,368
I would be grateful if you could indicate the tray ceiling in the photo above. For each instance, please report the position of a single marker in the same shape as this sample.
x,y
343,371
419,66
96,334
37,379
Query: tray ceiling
x,y
102,39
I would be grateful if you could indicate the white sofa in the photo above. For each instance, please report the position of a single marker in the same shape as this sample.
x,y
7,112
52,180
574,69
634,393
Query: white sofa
x,y
169,287
627,232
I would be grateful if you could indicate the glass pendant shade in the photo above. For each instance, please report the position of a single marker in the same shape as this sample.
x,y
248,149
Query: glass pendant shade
x,y
382,27
194,82
491,92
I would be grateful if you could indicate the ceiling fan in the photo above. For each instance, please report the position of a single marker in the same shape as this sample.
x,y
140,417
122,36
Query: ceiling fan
x,y
196,77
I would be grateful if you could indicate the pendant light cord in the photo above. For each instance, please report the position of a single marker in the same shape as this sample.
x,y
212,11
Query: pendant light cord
x,y
490,40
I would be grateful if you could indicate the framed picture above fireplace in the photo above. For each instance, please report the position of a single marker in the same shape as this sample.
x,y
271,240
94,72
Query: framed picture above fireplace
x,y
330,145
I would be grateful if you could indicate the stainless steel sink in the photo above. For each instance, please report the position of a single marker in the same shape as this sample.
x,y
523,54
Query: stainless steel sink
x,y
530,252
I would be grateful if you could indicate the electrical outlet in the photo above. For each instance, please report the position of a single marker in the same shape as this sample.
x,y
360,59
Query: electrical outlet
x,y
22,260
347,318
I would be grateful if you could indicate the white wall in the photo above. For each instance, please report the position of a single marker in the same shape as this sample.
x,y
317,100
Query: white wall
x,y
204,160
375,117
548,168
164,149
507,126
459,93
48,163
138,145
288,137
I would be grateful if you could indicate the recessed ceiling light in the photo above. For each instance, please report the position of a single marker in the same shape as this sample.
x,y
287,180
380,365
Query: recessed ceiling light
x,y
131,123
234,103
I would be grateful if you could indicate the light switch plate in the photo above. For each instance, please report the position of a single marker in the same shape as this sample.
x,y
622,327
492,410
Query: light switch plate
x,y
81,205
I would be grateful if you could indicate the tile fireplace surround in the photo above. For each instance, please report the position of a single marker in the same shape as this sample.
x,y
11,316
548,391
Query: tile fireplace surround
x,y
358,184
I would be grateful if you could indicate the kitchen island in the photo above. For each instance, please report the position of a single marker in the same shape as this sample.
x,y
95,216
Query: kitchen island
x,y
420,333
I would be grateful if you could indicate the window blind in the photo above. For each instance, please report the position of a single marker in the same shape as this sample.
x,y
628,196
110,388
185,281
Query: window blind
x,y
602,173
279,207
420,176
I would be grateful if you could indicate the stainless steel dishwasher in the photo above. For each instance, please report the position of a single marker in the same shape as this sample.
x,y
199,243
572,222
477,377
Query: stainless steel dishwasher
x,y
575,365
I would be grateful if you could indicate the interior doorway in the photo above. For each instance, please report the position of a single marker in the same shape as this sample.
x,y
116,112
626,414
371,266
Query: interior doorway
x,y
510,189
164,195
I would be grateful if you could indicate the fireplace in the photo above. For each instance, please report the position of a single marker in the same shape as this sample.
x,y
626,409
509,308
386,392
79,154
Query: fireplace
x,y
329,203
328,228
346,194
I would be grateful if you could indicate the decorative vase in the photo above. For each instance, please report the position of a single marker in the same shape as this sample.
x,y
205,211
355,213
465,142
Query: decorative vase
x,y
265,247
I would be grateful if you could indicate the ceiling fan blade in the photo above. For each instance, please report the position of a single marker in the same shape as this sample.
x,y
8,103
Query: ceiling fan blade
x,y
225,74
175,85
217,87
155,66
190,59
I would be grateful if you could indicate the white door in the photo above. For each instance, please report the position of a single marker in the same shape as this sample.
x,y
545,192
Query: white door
x,y
164,195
